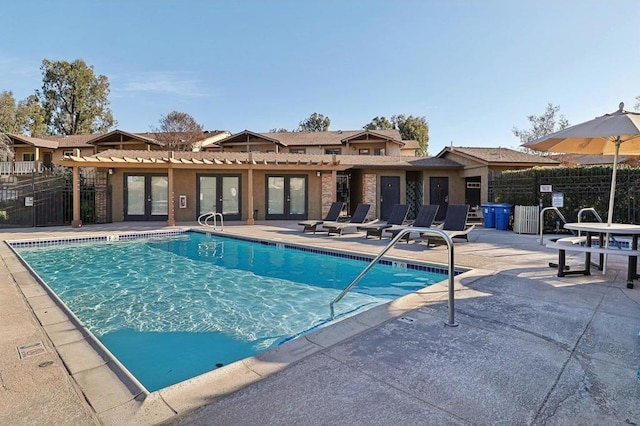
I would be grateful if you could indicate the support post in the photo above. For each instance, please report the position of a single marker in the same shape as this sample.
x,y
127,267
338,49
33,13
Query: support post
x,y
250,218
76,222
171,219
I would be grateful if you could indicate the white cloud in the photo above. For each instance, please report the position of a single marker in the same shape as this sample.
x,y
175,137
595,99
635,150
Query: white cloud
x,y
173,83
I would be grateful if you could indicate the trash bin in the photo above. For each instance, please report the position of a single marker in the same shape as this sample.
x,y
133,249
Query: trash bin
x,y
503,213
489,214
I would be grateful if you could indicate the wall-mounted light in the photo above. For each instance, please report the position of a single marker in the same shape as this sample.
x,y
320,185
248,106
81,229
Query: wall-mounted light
x,y
318,174
110,171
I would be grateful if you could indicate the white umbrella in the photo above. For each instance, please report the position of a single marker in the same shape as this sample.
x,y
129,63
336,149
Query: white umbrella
x,y
615,133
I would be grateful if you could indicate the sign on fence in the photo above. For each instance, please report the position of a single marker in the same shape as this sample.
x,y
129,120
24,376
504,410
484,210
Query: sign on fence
x,y
557,199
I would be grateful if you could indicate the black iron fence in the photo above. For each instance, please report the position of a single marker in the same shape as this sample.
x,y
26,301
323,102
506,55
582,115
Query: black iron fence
x,y
580,186
47,200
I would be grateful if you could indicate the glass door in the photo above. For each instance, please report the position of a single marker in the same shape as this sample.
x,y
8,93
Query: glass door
x,y
146,197
286,197
221,194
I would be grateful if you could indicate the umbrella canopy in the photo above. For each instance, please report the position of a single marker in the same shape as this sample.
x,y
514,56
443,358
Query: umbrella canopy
x,y
614,133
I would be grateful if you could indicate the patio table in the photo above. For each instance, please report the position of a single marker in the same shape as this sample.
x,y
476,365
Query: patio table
x,y
602,229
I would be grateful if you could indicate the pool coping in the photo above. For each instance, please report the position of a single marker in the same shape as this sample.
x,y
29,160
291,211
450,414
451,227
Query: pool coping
x,y
117,396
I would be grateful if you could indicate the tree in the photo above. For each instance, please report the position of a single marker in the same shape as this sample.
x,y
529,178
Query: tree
x,y
31,117
410,128
637,105
7,124
315,123
413,128
24,118
74,99
542,125
178,131
380,123
8,109
279,130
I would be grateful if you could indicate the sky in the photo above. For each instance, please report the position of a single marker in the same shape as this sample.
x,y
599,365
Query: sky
x,y
474,69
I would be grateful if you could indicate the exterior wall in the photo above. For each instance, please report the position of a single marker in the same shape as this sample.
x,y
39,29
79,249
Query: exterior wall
x,y
315,149
456,185
391,149
185,183
117,194
58,154
263,147
140,146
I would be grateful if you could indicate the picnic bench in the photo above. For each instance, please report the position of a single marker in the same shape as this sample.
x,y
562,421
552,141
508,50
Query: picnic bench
x,y
584,244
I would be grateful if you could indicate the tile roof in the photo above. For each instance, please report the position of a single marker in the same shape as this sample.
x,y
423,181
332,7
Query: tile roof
x,y
332,137
497,155
71,141
37,142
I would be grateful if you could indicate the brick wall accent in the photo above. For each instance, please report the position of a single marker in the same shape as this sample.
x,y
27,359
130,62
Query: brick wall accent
x,y
101,195
369,193
327,193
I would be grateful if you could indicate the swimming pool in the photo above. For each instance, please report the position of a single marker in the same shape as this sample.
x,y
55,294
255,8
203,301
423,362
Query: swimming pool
x,y
240,297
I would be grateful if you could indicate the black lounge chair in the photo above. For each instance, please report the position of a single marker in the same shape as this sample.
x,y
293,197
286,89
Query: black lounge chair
x,y
424,219
397,217
332,216
358,218
455,222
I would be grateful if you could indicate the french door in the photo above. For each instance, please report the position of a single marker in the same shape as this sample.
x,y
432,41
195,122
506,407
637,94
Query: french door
x,y
146,197
219,193
286,197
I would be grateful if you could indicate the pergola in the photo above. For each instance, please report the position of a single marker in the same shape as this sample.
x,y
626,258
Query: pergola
x,y
170,161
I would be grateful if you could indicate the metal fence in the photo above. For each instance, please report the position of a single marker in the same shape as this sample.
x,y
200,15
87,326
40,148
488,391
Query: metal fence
x,y
47,200
581,187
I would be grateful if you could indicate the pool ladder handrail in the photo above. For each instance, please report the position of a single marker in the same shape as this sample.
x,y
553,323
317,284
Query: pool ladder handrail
x,y
541,224
590,210
428,231
610,238
203,220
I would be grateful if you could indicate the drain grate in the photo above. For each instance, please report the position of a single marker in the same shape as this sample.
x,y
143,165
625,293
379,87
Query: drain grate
x,y
34,349
408,320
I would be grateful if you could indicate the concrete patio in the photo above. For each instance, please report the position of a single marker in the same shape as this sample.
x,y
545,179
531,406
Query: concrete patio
x,y
530,348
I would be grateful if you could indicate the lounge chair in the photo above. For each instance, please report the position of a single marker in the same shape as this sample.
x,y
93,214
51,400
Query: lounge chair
x,y
424,219
358,219
455,222
332,216
397,217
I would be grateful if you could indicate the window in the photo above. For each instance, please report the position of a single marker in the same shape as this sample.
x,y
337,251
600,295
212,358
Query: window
x,y
379,151
67,153
297,151
331,151
28,156
363,151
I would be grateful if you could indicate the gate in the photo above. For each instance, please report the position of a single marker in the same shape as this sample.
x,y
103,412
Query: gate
x,y
47,200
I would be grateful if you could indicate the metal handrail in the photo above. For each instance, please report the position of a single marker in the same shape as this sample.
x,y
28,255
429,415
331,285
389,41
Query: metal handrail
x,y
588,209
429,231
610,238
542,212
203,220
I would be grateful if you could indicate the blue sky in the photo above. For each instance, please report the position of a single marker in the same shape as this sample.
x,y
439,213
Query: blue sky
x,y
473,69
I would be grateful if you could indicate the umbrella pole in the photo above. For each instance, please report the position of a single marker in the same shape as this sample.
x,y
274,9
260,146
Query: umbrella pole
x,y
611,199
612,194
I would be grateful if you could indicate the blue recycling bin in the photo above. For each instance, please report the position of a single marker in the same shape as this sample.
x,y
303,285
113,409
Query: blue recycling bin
x,y
503,213
489,214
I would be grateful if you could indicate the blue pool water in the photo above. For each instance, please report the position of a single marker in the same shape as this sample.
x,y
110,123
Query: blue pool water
x,y
172,308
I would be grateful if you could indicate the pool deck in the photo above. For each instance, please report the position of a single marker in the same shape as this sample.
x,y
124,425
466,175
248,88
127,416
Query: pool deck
x,y
530,348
